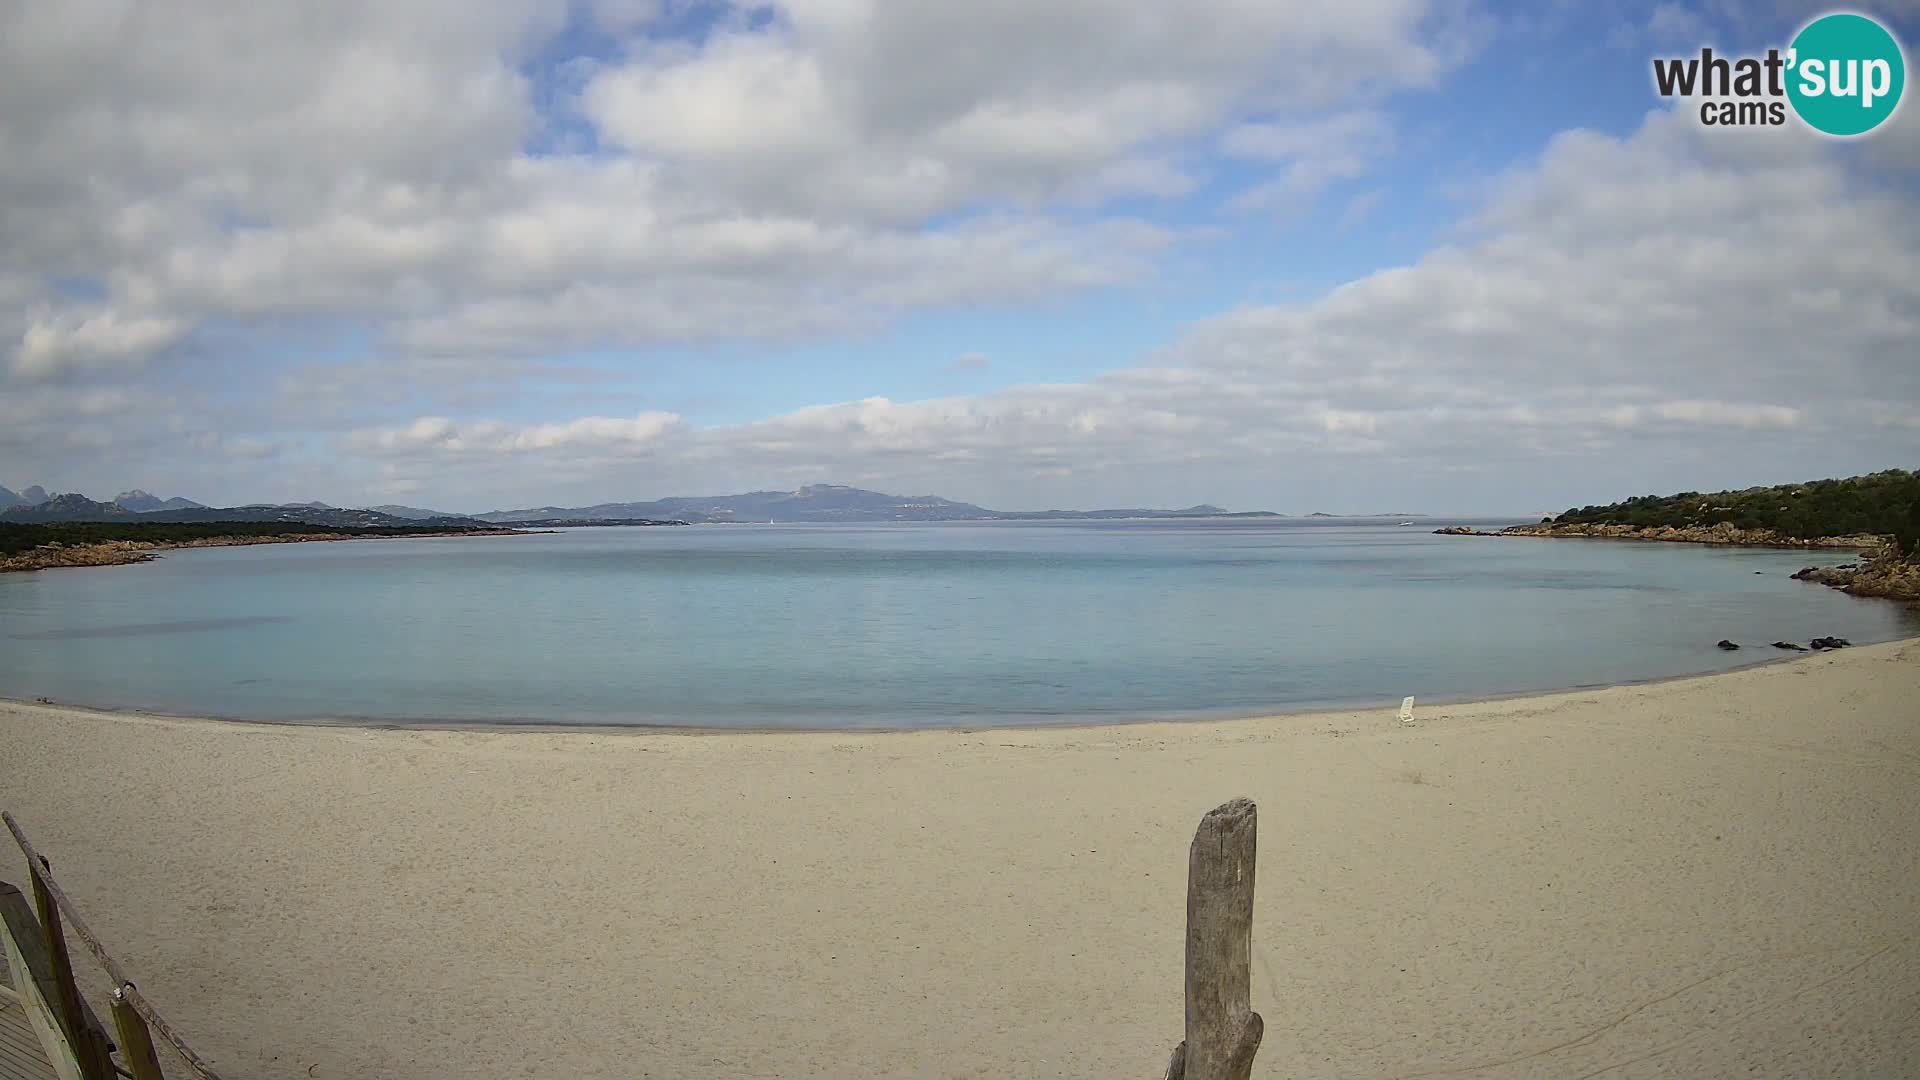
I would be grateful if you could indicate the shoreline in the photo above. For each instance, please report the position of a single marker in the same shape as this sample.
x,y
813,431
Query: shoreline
x,y
1077,722
1704,876
130,552
1668,535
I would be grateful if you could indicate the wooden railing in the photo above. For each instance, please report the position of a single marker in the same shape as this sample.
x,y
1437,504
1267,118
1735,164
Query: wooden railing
x,y
1222,1031
81,1045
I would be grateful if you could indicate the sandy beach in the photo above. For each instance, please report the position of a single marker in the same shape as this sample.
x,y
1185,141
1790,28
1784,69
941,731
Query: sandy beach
x,y
1712,876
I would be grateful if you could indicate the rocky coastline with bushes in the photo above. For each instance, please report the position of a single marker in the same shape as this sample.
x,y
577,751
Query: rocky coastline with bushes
x,y
48,547
1721,533
1884,576
1876,515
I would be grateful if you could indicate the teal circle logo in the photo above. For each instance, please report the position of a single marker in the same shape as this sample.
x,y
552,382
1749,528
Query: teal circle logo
x,y
1845,74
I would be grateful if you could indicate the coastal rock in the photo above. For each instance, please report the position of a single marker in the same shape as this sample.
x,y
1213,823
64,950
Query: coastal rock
x,y
1725,644
1837,576
1789,645
1830,643
1892,578
1461,530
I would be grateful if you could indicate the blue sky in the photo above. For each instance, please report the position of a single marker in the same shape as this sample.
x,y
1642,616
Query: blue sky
x,y
1445,257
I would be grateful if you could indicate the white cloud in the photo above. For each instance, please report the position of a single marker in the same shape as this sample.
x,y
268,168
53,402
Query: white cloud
x,y
439,435
261,163
1676,24
1669,293
53,342
1309,155
824,168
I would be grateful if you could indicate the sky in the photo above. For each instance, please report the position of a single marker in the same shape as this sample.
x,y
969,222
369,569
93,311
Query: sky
x,y
1382,255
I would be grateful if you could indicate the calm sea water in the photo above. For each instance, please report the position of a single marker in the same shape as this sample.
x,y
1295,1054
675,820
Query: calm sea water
x,y
897,625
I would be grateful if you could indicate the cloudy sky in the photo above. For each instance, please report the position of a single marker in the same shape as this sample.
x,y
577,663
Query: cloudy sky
x,y
1381,254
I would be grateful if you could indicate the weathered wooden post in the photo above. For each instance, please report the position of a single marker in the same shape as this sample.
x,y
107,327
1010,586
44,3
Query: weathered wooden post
x,y
89,1049
1223,1031
136,1043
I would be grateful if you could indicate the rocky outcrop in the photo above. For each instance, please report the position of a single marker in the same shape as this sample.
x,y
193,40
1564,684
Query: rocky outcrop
x,y
1461,530
1789,645
1830,643
1894,579
50,556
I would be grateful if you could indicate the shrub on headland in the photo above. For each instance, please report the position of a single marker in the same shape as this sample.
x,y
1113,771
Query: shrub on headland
x,y
1882,504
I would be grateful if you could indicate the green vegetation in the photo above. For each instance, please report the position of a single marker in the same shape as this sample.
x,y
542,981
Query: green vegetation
x,y
1882,504
15,539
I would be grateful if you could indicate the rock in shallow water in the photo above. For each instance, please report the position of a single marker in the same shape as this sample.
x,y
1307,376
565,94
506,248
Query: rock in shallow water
x,y
1727,645
1789,645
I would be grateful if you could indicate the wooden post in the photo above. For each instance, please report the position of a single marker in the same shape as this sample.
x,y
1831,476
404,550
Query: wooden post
x,y
89,1046
136,1044
1223,1031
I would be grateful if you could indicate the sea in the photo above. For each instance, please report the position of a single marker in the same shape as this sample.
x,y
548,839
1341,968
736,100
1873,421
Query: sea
x,y
963,625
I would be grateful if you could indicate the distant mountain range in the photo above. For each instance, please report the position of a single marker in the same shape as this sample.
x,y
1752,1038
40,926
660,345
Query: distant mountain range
x,y
814,503
831,503
135,501
72,507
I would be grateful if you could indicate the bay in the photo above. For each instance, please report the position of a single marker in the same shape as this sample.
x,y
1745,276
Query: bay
x,y
848,626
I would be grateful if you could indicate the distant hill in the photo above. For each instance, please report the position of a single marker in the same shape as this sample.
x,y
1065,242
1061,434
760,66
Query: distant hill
x,y
68,507
1358,517
142,503
827,503
32,496
137,501
411,513
815,503
71,507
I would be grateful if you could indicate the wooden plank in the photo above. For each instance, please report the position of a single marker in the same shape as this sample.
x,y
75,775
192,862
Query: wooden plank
x,y
24,1061
25,1065
1223,1032
37,1013
21,1057
17,1039
16,1031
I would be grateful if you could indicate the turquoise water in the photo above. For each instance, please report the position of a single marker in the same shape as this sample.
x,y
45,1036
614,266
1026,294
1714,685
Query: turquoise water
x,y
897,625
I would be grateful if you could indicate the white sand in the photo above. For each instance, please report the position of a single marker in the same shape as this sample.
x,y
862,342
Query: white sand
x,y
1717,876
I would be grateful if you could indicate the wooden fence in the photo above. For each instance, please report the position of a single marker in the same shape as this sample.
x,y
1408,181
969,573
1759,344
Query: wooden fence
x,y
76,1043
1222,1030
